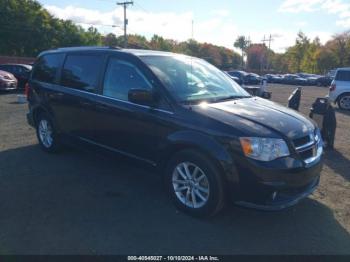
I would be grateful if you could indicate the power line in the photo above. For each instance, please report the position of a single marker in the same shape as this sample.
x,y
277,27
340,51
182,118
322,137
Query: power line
x,y
141,7
92,24
125,4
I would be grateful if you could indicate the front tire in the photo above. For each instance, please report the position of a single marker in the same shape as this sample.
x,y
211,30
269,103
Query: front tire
x,y
46,134
344,101
195,184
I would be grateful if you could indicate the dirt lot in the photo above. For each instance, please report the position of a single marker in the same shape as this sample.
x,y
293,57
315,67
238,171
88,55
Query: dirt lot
x,y
81,203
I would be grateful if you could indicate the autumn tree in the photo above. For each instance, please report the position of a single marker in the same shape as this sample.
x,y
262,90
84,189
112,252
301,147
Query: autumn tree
x,y
257,55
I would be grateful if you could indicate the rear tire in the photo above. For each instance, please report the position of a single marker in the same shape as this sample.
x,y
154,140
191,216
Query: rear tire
x,y
194,184
344,101
46,134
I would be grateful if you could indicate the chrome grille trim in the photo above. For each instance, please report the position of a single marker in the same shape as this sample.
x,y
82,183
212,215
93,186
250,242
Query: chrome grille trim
x,y
305,147
314,144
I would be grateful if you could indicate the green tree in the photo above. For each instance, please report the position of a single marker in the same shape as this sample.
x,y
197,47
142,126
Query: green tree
x,y
159,43
297,52
26,29
326,60
110,40
242,43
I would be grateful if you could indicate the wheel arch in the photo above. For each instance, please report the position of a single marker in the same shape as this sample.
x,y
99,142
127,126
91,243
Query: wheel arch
x,y
37,111
42,110
341,94
189,140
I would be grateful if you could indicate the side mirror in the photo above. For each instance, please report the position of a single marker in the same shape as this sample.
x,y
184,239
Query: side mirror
x,y
141,97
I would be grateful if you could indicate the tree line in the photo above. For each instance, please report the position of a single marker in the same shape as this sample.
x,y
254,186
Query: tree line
x,y
305,55
26,29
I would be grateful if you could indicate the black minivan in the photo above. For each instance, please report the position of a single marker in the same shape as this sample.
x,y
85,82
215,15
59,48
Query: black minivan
x,y
210,140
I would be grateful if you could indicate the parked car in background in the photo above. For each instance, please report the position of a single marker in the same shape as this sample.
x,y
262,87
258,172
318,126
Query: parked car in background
x,y
209,139
240,75
20,71
252,79
311,79
339,91
324,81
7,81
271,78
291,79
331,73
246,78
234,78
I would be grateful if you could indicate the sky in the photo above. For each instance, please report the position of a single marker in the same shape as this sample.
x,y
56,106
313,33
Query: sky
x,y
214,21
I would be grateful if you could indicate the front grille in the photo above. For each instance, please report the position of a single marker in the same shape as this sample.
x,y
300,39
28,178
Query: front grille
x,y
301,141
310,152
306,146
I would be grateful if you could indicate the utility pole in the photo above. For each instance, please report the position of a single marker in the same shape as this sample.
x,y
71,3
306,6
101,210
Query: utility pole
x,y
269,40
125,4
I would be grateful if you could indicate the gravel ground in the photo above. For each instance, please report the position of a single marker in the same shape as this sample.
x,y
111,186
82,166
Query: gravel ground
x,y
334,189
81,203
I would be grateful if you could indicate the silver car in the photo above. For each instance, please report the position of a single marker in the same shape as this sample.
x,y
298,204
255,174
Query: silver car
x,y
339,91
7,81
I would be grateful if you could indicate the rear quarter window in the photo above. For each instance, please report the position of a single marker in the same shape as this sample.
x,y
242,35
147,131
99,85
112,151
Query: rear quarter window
x,y
343,75
81,71
46,68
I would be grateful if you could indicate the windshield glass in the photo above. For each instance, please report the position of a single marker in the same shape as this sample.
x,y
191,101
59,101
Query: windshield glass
x,y
191,79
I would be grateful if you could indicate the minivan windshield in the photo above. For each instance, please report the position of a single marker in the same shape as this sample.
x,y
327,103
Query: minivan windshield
x,y
193,80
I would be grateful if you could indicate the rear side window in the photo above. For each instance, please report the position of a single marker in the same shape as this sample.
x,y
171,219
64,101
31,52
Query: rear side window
x,y
343,75
46,68
122,76
81,72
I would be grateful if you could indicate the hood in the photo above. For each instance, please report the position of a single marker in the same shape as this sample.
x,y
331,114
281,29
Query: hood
x,y
259,111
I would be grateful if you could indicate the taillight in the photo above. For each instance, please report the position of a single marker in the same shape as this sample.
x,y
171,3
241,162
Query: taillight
x,y
332,87
26,90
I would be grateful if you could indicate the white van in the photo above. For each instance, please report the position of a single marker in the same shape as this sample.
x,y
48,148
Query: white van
x,y
339,91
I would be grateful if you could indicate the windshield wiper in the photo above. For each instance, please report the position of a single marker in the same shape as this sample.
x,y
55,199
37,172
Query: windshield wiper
x,y
211,100
230,98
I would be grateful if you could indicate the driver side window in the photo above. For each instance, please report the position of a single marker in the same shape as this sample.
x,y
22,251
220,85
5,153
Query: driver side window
x,y
122,76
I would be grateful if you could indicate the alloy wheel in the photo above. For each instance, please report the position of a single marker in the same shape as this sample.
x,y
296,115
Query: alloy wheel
x,y
345,102
45,133
191,185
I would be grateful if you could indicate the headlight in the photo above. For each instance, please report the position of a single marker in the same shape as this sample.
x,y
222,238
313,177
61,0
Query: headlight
x,y
264,149
5,77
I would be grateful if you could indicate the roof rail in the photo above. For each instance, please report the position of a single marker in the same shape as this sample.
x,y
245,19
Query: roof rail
x,y
88,47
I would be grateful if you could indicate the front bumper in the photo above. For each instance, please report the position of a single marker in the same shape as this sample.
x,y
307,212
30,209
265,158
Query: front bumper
x,y
276,185
8,85
281,199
